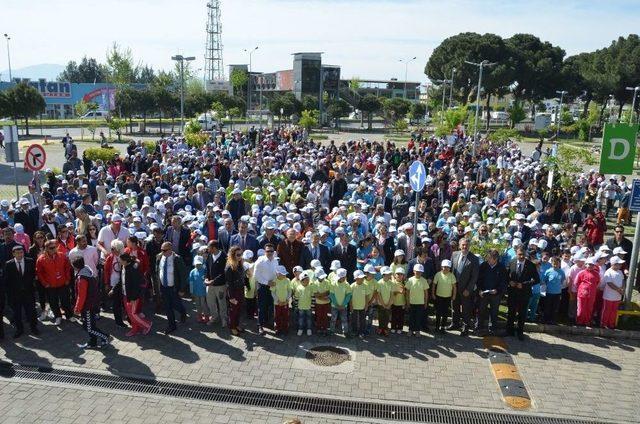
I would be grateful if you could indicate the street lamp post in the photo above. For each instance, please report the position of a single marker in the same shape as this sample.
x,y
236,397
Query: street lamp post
x,y
406,71
453,71
7,37
633,102
444,83
480,65
182,59
559,113
610,102
249,81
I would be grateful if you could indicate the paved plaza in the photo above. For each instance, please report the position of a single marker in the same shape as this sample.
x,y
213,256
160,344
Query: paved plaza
x,y
560,373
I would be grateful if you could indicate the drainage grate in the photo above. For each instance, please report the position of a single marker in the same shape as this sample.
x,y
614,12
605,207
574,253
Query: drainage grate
x,y
299,403
327,356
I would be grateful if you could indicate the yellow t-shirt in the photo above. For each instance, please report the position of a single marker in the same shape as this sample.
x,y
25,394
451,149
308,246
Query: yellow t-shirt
x,y
304,294
250,293
395,266
340,291
322,286
444,284
359,293
371,287
398,293
416,288
384,289
282,289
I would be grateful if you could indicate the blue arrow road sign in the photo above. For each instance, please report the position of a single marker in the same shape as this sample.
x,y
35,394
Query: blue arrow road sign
x,y
634,205
417,176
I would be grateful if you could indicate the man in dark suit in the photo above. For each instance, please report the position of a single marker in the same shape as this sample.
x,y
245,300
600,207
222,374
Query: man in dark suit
x,y
269,236
20,275
201,198
243,239
346,253
180,237
522,276
27,217
49,226
174,277
225,233
337,189
315,250
523,229
465,268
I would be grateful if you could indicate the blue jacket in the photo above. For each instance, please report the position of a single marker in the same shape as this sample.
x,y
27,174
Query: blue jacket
x,y
196,281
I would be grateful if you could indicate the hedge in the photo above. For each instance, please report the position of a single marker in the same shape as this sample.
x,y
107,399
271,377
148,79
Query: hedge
x,y
104,154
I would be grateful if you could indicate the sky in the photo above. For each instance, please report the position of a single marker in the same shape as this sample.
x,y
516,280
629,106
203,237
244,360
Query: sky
x,y
367,38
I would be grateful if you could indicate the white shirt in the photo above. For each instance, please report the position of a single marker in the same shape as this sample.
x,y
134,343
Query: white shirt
x,y
106,236
169,270
265,270
89,254
617,279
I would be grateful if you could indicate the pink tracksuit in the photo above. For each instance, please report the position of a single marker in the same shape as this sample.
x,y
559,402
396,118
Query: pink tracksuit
x,y
587,283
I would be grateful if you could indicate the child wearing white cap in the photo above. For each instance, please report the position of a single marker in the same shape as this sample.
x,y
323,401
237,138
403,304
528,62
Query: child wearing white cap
x,y
250,292
198,289
281,292
384,291
303,293
443,292
399,301
340,295
323,303
359,300
417,296
613,289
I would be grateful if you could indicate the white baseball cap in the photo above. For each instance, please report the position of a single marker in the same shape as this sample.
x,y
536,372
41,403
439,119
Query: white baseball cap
x,y
418,267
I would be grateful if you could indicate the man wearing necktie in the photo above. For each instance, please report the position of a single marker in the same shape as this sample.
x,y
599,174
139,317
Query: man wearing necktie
x,y
173,277
20,277
522,276
465,269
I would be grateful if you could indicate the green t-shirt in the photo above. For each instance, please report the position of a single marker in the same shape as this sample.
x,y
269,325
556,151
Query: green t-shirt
x,y
322,286
444,284
359,293
281,289
340,291
384,289
416,288
304,294
395,266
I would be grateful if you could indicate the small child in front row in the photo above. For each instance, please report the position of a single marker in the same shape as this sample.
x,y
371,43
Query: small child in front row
x,y
359,298
384,290
250,292
281,292
198,289
399,301
340,295
303,293
323,303
417,294
443,292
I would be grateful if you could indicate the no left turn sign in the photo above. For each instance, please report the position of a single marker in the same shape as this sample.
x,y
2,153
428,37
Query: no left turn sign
x,y
35,157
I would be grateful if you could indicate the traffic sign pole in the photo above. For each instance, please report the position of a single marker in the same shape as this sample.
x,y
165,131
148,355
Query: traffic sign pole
x,y
417,180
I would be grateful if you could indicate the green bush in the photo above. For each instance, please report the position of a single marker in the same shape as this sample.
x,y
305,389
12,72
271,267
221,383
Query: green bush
x,y
501,135
192,127
101,153
150,146
196,139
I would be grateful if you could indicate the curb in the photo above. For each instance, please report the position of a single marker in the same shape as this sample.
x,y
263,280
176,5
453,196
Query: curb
x,y
581,331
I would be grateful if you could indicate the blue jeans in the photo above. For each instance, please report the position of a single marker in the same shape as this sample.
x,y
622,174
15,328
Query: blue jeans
x,y
533,306
344,319
371,312
265,304
172,302
304,319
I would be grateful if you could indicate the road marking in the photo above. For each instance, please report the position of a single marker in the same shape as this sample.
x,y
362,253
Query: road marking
x,y
505,371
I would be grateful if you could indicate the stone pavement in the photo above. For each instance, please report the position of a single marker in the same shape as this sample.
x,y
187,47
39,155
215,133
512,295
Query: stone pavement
x,y
571,376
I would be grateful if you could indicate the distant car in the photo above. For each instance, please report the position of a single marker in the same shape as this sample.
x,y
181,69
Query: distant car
x,y
95,114
207,121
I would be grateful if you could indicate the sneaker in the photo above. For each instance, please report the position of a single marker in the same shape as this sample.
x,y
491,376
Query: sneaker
x,y
308,332
299,332
50,315
43,316
58,321
393,331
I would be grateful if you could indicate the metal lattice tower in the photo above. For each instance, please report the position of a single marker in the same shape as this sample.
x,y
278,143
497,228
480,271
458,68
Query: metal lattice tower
x,y
213,66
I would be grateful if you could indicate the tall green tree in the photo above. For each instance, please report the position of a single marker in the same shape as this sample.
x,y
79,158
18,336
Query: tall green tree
x,y
25,102
288,103
120,65
337,109
417,111
145,75
309,102
146,104
88,70
128,103
396,108
239,79
370,105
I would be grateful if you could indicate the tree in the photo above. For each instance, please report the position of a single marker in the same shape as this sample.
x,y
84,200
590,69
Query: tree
x,y
146,103
336,109
81,107
309,102
395,109
516,113
165,102
239,79
234,112
538,68
288,103
127,100
5,105
25,102
308,120
370,104
89,70
417,111
120,65
145,75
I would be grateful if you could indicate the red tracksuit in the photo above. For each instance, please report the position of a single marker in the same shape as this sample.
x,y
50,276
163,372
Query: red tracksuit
x,y
587,283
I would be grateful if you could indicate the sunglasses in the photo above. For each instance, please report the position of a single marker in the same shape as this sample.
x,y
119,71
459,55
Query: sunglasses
x,y
268,251
165,250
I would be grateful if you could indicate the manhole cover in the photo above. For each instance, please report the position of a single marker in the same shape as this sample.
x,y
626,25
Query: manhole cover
x,y
327,356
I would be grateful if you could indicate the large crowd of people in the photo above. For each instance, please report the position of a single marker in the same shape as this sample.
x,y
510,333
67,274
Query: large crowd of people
x,y
268,230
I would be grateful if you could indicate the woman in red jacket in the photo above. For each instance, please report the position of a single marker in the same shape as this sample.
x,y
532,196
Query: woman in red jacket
x,y
54,273
88,304
132,282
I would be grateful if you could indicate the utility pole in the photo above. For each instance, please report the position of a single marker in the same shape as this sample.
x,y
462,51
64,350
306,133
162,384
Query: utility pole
x,y
7,37
480,65
444,83
406,71
559,113
633,102
181,59
453,72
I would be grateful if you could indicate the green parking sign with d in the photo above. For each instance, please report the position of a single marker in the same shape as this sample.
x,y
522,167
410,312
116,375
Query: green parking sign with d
x,y
618,149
